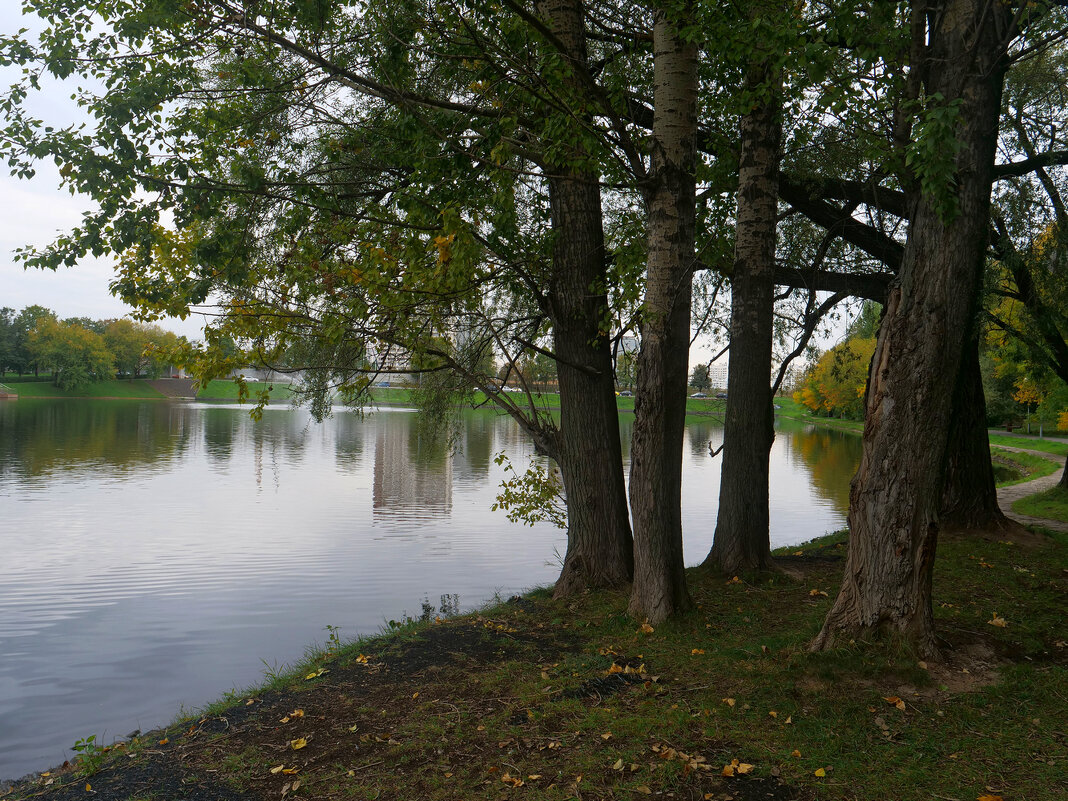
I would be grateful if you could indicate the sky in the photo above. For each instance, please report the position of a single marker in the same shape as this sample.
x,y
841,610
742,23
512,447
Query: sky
x,y
33,212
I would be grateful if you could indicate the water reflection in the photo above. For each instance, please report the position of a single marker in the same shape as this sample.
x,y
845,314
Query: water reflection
x,y
155,553
831,458
413,470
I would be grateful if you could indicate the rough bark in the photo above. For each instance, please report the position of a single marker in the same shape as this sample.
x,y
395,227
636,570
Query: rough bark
x,y
969,499
742,529
587,447
660,402
896,494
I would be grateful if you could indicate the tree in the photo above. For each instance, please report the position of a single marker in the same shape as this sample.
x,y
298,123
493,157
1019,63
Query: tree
x,y
76,355
660,407
835,385
742,527
127,343
24,324
7,339
699,378
897,492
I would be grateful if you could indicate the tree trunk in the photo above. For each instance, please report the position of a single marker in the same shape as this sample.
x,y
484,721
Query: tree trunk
x,y
969,500
1063,483
587,446
897,491
660,403
742,530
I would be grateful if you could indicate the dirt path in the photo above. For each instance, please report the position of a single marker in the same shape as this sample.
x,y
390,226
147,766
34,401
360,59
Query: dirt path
x,y
1007,496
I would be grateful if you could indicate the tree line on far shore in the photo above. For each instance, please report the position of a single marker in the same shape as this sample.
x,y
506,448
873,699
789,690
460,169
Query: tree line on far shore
x,y
79,350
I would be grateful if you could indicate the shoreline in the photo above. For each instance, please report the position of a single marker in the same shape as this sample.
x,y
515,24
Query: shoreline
x,y
541,692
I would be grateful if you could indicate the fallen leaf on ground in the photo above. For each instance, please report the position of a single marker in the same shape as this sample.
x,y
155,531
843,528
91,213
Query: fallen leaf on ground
x,y
277,768
729,701
893,700
697,651
297,744
361,659
646,629
795,753
316,674
1000,622
990,798
819,772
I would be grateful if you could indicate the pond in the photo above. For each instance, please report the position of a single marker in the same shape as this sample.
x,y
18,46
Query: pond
x,y
158,554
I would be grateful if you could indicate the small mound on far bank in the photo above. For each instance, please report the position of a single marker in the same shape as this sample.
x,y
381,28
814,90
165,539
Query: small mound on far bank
x,y
518,701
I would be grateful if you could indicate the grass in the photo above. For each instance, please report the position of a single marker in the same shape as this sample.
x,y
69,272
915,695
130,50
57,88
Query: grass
x,y
1051,504
518,701
226,390
1031,444
793,410
1025,466
137,389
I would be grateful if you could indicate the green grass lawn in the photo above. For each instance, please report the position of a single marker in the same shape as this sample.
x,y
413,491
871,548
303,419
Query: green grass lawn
x,y
1051,504
226,390
1031,443
137,388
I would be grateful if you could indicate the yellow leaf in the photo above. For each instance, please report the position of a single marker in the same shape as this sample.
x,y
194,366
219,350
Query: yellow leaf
x,y
88,787
533,777
795,753
820,772
290,771
278,768
773,714
990,798
614,669
284,720
817,593
164,741
744,768
1000,622
354,726
646,629
361,659
606,736
415,695
893,700
297,744
729,701
789,720
697,651
618,765
728,770
641,788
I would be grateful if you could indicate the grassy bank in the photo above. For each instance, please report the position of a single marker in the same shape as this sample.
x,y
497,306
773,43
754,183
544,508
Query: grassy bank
x,y
226,390
1051,504
136,389
1025,466
550,401
793,410
543,699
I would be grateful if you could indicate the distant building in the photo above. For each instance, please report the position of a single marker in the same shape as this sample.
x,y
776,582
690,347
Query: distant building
x,y
717,376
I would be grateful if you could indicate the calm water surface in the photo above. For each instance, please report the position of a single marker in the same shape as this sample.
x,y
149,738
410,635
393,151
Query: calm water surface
x,y
155,555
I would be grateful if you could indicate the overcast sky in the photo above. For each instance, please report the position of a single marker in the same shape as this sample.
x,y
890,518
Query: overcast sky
x,y
35,211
